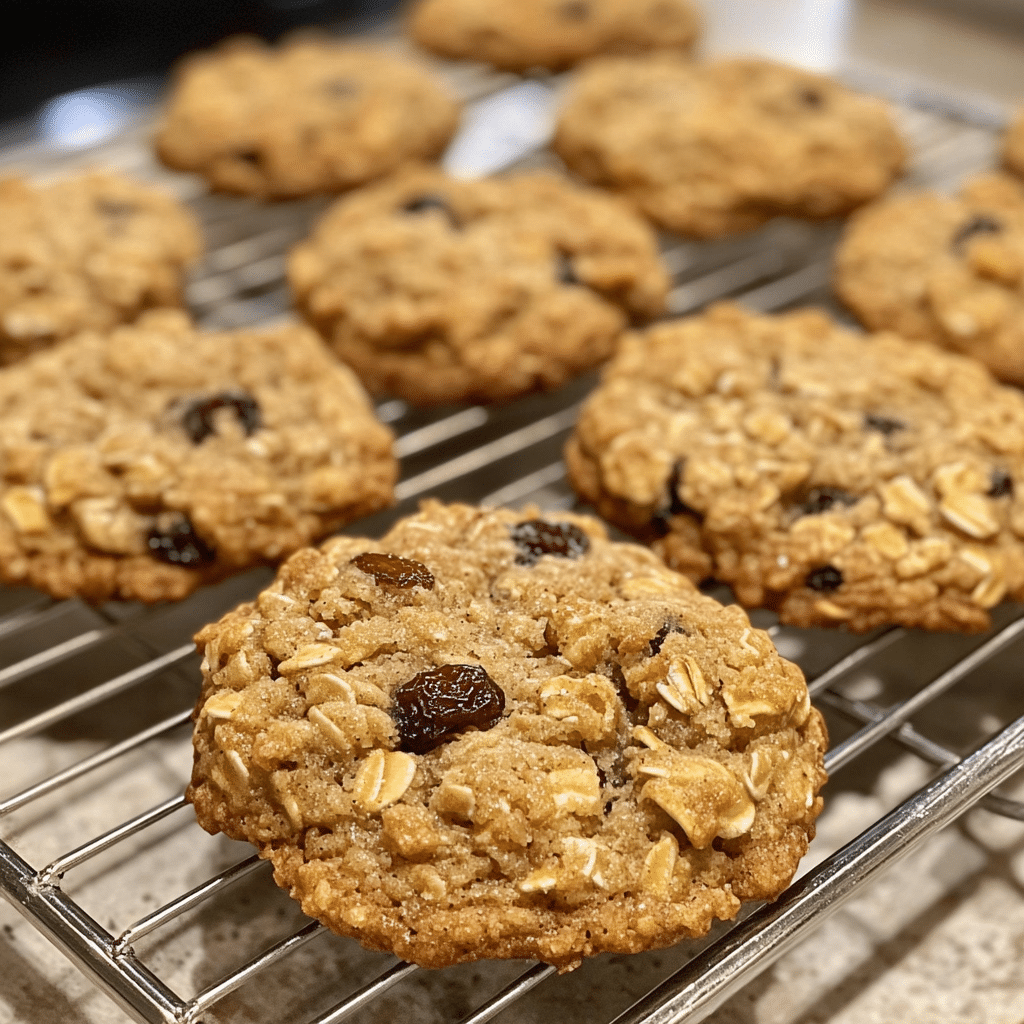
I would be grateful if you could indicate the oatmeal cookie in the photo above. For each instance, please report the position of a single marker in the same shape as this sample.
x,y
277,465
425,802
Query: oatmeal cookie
x,y
1013,145
945,270
310,116
440,290
491,734
552,34
144,462
708,150
835,477
92,251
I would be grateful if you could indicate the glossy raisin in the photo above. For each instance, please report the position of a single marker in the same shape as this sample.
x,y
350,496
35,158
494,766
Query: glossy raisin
x,y
676,505
657,641
824,499
177,543
393,571
565,272
884,424
812,98
537,537
437,704
426,203
199,421
1000,484
825,579
980,225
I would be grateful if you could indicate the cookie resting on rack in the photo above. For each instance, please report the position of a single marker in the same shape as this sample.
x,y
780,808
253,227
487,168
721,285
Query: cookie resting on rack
x,y
1013,145
494,734
552,34
307,117
92,251
440,290
144,462
944,270
839,478
714,149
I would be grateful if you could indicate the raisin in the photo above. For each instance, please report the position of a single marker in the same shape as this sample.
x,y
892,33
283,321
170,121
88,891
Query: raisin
x,y
883,424
575,10
565,272
198,419
391,570
676,505
536,538
249,156
435,705
980,225
1001,484
426,203
812,98
656,642
825,579
178,544
824,499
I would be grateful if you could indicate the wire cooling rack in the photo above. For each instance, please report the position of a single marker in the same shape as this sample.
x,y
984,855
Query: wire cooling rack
x,y
100,853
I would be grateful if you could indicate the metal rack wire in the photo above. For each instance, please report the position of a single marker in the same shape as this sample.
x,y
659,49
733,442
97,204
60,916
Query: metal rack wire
x,y
65,663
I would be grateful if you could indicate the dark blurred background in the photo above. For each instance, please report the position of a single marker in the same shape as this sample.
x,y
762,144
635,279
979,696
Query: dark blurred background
x,y
59,46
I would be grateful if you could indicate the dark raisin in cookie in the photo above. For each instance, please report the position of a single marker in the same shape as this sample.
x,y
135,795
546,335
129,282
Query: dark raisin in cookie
x,y
499,734
837,478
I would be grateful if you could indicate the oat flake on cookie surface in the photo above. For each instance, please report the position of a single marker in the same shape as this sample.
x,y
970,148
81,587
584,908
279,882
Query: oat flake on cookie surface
x,y
441,290
146,461
836,477
500,734
91,251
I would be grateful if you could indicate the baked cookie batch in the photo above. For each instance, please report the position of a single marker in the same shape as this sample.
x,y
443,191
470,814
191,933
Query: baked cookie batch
x,y
493,733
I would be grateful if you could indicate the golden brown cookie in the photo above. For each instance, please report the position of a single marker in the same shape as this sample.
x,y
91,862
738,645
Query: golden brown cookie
x,y
551,34
146,461
840,479
495,734
440,290
709,150
310,116
91,251
945,270
1013,145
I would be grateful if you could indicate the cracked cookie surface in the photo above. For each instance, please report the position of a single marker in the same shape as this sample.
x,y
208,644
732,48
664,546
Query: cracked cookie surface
x,y
496,734
144,462
710,150
551,34
838,478
307,117
88,252
945,270
440,290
